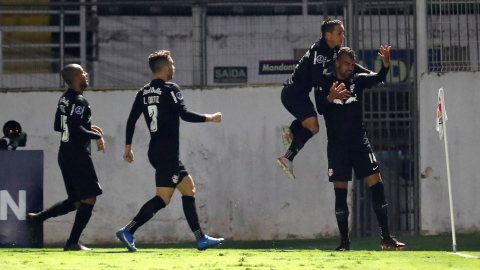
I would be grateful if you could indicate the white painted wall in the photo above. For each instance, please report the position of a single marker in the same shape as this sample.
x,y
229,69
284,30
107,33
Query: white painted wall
x,y
463,126
242,194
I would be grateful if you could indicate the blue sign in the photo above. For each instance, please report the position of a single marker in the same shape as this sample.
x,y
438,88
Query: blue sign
x,y
21,192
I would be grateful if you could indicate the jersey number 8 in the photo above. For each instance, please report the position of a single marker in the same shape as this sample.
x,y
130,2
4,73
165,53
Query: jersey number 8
x,y
153,113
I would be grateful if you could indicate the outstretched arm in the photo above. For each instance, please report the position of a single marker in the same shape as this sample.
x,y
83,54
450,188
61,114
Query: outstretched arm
x,y
369,80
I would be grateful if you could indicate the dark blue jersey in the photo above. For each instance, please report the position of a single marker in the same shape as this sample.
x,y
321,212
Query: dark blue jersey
x,y
73,119
162,106
344,118
318,60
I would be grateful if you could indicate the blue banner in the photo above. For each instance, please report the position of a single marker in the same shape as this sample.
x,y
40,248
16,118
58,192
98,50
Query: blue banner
x,y
21,192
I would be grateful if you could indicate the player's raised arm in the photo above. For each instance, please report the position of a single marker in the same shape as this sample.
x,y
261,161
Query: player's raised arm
x,y
369,80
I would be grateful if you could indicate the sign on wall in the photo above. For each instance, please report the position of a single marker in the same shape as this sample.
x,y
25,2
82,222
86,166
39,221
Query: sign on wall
x,y
21,192
269,67
230,74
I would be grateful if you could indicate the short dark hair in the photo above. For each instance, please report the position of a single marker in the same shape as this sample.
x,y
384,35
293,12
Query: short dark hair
x,y
329,25
348,51
158,59
69,72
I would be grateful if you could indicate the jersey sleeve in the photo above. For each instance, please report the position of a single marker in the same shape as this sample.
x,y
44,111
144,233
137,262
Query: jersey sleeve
x,y
75,120
133,117
321,94
371,79
360,69
183,112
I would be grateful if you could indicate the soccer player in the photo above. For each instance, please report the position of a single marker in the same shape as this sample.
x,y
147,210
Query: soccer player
x,y
295,93
162,106
339,99
73,120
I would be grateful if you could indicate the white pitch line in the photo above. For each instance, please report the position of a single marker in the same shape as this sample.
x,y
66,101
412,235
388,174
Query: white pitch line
x,y
464,255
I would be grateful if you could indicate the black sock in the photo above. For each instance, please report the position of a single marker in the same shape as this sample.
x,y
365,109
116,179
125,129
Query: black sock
x,y
295,127
299,140
58,209
84,212
341,212
148,210
380,207
190,210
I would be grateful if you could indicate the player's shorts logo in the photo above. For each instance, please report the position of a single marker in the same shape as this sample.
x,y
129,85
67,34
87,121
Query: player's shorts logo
x,y
330,172
175,179
179,95
79,110
320,59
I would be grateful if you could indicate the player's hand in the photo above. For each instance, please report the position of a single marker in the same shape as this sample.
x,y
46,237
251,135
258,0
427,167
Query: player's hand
x,y
101,145
128,156
338,91
384,53
216,117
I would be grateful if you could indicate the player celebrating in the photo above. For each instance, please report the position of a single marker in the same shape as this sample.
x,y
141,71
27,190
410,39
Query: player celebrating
x,y
73,120
162,105
348,145
295,93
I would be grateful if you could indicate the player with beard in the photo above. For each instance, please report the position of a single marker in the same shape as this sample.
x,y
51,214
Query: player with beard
x,y
295,93
73,120
162,105
339,99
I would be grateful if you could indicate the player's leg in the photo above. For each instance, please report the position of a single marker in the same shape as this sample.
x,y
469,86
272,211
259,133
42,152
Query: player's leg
x,y
339,173
187,188
298,103
366,167
289,132
166,177
84,181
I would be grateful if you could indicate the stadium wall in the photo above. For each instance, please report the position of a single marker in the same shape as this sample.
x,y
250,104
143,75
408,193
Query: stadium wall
x,y
242,194
463,126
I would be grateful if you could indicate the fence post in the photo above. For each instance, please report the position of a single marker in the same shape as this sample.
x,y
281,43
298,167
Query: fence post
x,y
199,45
62,44
1,60
83,36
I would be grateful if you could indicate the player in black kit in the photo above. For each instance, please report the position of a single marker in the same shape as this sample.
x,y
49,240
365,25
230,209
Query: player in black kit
x,y
339,99
162,106
295,93
73,120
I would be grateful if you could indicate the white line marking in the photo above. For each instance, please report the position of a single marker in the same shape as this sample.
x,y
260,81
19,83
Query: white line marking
x,y
464,255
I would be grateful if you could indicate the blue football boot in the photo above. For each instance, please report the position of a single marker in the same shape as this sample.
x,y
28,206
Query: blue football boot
x,y
127,239
207,242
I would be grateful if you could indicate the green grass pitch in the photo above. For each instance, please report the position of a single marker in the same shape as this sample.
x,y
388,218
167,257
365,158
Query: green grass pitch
x,y
428,252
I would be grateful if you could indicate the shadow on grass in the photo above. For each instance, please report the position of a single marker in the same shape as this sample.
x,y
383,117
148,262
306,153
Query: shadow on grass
x,y
465,242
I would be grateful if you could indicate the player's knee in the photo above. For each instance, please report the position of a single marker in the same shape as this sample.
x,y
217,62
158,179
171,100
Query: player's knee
x,y
166,201
90,201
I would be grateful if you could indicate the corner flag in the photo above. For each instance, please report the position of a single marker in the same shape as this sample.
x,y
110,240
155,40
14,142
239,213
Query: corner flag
x,y
442,130
441,113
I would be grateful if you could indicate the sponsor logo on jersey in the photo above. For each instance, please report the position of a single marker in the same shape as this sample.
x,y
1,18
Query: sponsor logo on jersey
x,y
175,179
320,59
179,96
330,172
351,99
352,87
64,101
152,90
79,110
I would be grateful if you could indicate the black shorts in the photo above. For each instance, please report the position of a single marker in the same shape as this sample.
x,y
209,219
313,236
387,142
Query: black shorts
x,y
296,100
79,175
343,157
169,169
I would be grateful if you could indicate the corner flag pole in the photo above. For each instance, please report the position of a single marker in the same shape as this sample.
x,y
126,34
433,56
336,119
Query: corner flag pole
x,y
444,123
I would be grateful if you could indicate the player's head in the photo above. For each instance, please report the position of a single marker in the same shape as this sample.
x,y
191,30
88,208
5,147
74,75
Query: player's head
x,y
161,63
345,63
333,32
75,76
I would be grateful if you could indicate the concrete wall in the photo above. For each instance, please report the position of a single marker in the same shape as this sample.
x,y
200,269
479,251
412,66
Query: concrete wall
x,y
242,194
463,126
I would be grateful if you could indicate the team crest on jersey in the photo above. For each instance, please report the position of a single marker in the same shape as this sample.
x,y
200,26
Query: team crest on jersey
x,y
179,95
330,172
352,87
79,110
175,179
320,59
